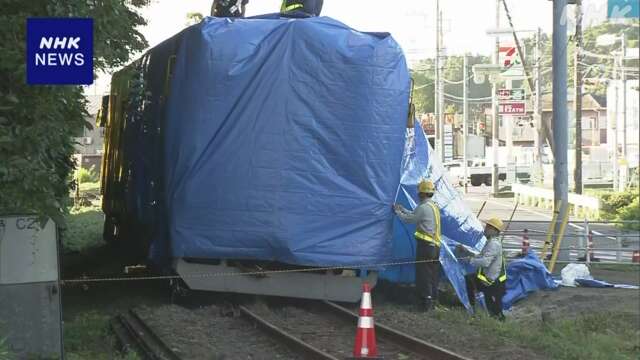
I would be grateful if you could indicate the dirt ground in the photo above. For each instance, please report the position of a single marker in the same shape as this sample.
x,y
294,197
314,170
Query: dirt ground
x,y
211,333
453,329
323,330
196,334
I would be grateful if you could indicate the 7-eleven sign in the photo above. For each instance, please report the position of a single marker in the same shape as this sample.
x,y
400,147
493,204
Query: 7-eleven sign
x,y
510,61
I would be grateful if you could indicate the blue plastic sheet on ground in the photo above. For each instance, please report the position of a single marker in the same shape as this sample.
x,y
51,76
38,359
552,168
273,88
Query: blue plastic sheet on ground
x,y
525,276
459,225
283,142
593,283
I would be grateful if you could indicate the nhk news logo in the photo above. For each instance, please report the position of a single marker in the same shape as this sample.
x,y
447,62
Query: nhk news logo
x,y
59,51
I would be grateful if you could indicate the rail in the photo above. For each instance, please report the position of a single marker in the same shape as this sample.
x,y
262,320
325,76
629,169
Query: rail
x,y
133,333
309,351
409,342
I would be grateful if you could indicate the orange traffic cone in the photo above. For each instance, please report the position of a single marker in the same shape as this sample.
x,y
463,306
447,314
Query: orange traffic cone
x,y
365,346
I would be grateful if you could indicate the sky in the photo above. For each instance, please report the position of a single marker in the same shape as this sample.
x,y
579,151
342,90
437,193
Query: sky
x,y
411,22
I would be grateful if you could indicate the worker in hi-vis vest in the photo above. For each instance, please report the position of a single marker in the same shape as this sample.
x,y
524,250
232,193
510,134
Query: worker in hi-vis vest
x,y
309,7
229,8
492,275
426,216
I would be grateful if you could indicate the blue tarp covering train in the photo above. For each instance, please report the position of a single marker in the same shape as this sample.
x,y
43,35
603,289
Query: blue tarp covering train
x,y
284,142
276,139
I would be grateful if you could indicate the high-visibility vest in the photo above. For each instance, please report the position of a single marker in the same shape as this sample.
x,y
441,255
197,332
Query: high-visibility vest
x,y
435,237
288,5
501,278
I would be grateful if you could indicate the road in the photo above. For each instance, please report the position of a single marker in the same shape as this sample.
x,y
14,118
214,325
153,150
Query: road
x,y
606,237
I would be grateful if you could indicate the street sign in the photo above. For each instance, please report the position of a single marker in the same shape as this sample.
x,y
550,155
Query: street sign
x,y
617,9
512,108
511,94
510,61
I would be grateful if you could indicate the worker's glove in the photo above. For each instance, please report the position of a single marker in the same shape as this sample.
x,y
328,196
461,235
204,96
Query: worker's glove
x,y
461,251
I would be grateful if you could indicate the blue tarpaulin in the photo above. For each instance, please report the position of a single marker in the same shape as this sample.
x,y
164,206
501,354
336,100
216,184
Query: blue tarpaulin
x,y
459,225
283,141
525,276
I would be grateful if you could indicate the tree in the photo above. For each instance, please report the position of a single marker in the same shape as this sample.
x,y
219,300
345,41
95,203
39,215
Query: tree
x,y
194,18
37,123
592,67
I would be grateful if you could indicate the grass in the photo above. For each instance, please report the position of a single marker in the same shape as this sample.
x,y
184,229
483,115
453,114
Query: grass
x,y
615,267
87,336
591,336
90,186
84,229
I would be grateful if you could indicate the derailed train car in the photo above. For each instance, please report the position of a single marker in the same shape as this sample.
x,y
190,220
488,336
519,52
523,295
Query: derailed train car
x,y
266,143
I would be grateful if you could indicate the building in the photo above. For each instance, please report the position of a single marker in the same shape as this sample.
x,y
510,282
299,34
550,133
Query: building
x,y
89,145
617,112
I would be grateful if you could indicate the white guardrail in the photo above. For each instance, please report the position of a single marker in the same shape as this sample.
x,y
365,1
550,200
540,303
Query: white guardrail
x,y
582,205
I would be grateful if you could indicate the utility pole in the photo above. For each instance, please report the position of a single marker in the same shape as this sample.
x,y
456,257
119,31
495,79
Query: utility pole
x,y
560,126
441,85
465,115
537,115
438,85
614,126
623,76
577,174
494,102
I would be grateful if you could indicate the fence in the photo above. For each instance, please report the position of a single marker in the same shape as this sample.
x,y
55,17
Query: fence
x,y
582,205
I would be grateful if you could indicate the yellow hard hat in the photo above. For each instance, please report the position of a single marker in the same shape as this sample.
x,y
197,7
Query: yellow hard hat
x,y
426,186
496,223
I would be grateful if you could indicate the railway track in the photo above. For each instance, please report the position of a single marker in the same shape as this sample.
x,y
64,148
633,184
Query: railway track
x,y
311,330
135,335
325,330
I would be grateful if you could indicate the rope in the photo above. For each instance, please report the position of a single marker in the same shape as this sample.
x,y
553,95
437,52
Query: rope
x,y
250,273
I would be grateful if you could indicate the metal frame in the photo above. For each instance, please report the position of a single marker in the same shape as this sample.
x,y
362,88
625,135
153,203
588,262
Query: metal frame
x,y
304,285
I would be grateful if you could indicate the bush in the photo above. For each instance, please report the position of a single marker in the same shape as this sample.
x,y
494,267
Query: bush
x,y
84,229
621,206
614,201
4,349
86,175
631,212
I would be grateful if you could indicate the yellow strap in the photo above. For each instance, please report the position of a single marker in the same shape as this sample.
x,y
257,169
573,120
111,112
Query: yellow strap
x,y
426,237
501,278
290,7
436,214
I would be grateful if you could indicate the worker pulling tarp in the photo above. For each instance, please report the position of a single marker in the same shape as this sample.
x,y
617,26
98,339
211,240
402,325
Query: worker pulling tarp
x,y
458,224
284,141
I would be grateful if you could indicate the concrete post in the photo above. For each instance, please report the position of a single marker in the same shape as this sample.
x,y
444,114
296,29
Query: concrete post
x,y
560,124
465,116
494,126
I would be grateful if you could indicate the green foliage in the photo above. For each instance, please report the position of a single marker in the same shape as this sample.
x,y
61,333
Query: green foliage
x,y
592,336
612,202
90,186
87,336
631,212
620,206
84,229
4,350
194,18
592,67
424,96
37,123
84,175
